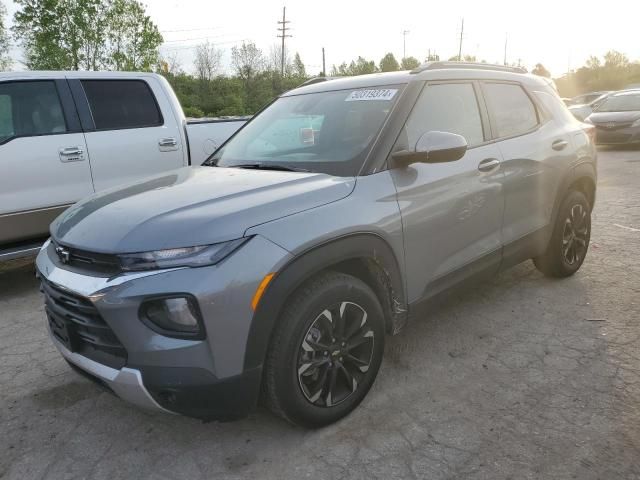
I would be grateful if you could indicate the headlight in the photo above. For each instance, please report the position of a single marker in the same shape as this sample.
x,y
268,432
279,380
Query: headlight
x,y
588,120
199,256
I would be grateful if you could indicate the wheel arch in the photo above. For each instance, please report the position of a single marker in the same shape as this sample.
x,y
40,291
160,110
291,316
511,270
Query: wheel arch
x,y
582,177
366,256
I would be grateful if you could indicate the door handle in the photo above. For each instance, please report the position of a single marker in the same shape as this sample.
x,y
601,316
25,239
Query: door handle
x,y
168,142
488,164
71,154
559,144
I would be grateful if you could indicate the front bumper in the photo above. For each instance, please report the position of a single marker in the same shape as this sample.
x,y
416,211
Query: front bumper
x,y
126,383
200,378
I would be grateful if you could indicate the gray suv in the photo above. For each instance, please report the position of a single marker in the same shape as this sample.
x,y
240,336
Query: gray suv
x,y
275,270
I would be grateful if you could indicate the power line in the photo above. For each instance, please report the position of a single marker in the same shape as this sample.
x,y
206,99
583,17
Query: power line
x,y
188,47
283,29
196,38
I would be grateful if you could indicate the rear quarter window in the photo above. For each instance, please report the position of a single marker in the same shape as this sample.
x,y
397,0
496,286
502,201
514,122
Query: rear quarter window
x,y
118,104
513,111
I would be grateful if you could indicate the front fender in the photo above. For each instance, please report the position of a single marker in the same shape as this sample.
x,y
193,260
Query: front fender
x,y
320,257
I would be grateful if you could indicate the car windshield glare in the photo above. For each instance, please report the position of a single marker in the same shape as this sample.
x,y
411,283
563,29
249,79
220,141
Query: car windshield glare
x,y
620,103
328,132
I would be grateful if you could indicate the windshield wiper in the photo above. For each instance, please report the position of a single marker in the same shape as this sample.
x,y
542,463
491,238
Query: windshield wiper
x,y
269,166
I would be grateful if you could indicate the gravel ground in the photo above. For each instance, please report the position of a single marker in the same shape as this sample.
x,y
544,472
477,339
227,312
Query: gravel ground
x,y
522,377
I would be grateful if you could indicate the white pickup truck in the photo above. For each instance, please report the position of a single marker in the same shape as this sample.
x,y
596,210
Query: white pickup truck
x,y
65,135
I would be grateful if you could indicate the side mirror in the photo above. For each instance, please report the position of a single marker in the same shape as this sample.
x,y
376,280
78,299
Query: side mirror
x,y
433,147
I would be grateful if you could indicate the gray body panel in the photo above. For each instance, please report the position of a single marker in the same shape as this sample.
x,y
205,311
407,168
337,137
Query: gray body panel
x,y
420,228
209,205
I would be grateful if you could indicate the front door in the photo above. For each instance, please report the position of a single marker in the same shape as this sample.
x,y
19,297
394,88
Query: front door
x,y
451,212
43,158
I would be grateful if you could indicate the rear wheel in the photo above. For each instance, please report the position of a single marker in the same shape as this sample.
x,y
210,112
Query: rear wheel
x,y
326,350
570,238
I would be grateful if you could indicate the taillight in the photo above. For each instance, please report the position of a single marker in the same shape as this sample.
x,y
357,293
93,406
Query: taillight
x,y
590,130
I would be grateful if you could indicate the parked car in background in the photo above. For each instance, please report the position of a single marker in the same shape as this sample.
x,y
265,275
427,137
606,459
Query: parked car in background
x,y
281,264
617,119
582,111
66,135
586,98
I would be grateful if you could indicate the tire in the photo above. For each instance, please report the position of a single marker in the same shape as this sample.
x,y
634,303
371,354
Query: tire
x,y
569,241
302,360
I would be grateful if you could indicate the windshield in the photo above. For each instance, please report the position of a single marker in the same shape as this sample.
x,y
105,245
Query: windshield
x,y
620,103
327,132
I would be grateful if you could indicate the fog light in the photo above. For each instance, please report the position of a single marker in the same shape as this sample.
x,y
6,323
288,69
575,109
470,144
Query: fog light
x,y
174,317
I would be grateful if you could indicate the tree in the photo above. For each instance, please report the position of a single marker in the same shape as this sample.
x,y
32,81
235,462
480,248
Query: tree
x,y
541,71
298,67
207,61
409,63
5,61
389,63
170,64
86,35
275,60
133,37
615,59
247,60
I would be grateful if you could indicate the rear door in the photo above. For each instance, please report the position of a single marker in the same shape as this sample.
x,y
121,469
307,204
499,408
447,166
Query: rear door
x,y
536,152
43,156
451,212
132,133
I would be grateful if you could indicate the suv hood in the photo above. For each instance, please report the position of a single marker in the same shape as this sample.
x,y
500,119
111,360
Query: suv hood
x,y
191,206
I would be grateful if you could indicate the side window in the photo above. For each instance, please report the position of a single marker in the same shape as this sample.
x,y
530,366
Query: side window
x,y
450,107
30,109
117,104
512,109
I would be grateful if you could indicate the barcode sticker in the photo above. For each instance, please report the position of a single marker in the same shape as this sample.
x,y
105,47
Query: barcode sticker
x,y
385,94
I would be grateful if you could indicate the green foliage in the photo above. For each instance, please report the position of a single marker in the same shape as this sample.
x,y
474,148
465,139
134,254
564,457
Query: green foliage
x,y
5,61
298,67
361,66
389,63
86,35
613,72
409,63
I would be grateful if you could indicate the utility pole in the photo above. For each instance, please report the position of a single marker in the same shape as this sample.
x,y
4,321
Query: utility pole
x,y
283,29
460,46
404,43
506,38
324,71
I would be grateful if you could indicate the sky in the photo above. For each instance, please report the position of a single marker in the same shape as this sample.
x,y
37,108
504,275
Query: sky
x,y
559,34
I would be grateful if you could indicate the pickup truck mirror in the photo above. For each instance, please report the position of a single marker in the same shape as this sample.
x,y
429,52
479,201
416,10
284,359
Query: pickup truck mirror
x,y
433,147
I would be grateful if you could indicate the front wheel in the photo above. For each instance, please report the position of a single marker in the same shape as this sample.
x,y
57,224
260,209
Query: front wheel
x,y
326,350
570,238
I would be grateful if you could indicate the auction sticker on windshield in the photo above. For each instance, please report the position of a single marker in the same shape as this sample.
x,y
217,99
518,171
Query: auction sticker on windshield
x,y
376,94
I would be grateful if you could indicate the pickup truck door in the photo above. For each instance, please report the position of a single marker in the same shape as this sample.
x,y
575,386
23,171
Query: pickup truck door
x,y
451,212
43,156
131,130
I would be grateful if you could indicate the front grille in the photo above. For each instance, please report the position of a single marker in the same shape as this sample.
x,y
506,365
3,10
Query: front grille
x,y
90,262
77,324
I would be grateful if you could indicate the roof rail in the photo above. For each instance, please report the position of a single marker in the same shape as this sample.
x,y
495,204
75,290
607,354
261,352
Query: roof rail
x,y
467,65
313,80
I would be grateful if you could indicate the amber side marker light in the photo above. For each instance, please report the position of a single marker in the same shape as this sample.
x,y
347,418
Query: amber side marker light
x,y
261,288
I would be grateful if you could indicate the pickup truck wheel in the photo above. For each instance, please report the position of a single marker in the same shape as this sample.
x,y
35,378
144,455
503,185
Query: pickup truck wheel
x,y
570,238
325,352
